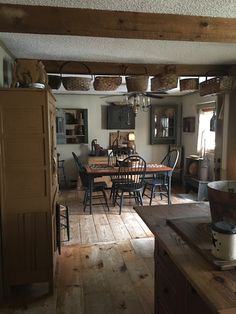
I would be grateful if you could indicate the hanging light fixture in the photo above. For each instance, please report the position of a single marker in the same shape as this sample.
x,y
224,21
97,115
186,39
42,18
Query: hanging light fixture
x,y
138,103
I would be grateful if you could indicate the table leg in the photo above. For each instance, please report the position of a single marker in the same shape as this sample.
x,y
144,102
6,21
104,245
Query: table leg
x,y
90,193
169,188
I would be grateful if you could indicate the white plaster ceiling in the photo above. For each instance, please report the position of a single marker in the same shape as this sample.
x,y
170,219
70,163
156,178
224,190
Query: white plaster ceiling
x,y
127,50
214,8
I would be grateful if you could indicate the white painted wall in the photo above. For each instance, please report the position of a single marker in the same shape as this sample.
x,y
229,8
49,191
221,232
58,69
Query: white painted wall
x,y
96,130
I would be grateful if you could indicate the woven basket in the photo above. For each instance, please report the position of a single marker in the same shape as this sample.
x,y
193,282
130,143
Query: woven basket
x,y
107,83
166,80
217,85
190,84
137,83
75,83
54,81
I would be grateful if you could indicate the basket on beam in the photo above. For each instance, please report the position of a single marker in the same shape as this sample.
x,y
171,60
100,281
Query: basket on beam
x,y
76,83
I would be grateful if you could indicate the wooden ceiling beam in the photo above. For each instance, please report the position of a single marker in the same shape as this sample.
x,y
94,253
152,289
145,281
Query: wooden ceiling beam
x,y
104,68
115,24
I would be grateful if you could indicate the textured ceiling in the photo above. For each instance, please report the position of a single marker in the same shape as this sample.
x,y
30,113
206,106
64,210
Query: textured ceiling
x,y
117,50
214,8
127,50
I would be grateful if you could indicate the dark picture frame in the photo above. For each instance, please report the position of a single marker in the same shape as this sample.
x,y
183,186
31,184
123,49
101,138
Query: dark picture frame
x,y
189,124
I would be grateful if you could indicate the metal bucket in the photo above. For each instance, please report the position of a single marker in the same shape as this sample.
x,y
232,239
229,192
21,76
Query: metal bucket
x,y
222,200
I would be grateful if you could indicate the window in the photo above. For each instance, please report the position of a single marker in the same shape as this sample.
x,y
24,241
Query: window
x,y
206,130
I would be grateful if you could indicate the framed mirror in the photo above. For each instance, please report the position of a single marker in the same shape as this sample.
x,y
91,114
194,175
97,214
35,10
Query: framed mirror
x,y
163,124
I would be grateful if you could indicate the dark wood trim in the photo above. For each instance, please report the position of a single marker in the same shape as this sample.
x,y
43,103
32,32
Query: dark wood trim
x,y
115,24
105,68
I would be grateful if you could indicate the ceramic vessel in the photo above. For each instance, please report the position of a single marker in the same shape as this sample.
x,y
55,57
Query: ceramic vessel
x,y
224,240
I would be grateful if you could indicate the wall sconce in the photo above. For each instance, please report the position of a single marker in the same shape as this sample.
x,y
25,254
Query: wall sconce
x,y
131,137
131,142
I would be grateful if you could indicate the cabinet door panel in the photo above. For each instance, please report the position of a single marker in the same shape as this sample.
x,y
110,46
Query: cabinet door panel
x,y
120,117
172,272
25,182
195,303
161,309
26,119
113,117
171,294
24,151
26,246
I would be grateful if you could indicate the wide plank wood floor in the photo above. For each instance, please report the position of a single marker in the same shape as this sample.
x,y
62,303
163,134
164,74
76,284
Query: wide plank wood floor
x,y
107,267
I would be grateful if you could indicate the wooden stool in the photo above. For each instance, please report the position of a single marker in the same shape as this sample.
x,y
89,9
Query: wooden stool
x,y
61,172
62,222
200,185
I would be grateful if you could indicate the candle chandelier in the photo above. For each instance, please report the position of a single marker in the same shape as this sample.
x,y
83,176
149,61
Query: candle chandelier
x,y
138,103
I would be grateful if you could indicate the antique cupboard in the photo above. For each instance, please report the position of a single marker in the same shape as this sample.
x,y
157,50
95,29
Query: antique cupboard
x,y
28,187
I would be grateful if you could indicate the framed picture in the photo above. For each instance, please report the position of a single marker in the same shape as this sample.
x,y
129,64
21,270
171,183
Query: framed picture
x,y
189,124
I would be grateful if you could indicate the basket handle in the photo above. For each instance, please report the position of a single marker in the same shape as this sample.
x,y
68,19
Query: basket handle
x,y
145,68
216,73
65,63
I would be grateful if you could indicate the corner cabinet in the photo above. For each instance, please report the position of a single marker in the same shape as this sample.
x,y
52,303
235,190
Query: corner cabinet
x,y
28,187
120,117
163,123
72,126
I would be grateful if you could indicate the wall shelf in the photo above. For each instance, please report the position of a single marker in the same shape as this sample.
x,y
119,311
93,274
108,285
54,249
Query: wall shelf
x,y
72,126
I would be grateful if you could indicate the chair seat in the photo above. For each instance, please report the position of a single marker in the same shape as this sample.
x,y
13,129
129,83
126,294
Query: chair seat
x,y
162,182
130,179
129,187
99,186
155,181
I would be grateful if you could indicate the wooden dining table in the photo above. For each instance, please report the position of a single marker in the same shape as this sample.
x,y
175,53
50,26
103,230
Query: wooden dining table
x,y
95,170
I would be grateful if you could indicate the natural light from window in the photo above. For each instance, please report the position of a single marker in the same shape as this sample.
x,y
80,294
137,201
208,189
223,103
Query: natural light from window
x,y
206,138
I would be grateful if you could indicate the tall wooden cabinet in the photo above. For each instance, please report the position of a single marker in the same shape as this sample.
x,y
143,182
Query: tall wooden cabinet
x,y
28,187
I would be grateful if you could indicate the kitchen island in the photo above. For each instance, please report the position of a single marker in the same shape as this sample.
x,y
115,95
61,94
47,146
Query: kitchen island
x,y
185,281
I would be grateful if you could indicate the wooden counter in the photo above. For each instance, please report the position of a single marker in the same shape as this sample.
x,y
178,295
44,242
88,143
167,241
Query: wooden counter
x,y
184,281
